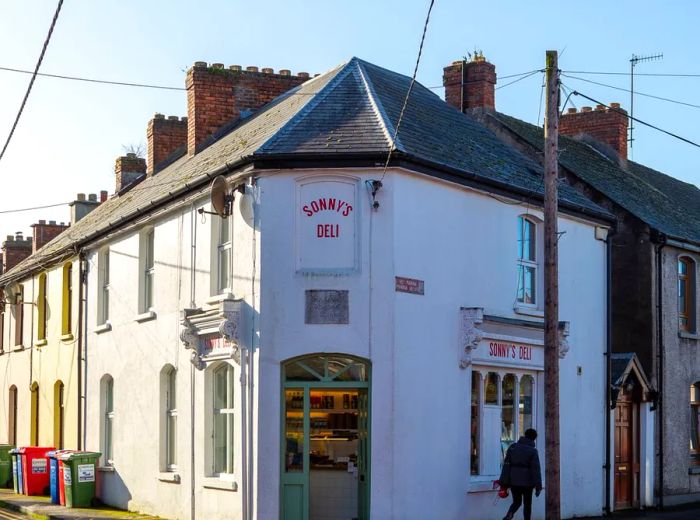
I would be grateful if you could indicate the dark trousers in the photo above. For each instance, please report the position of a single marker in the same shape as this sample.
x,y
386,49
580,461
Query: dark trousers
x,y
520,495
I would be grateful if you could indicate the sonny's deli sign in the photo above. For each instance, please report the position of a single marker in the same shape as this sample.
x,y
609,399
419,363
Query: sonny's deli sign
x,y
326,218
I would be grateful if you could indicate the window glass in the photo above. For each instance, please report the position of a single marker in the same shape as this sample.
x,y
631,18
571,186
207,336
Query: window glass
x,y
695,423
294,428
527,261
41,304
223,254
67,299
223,419
527,283
491,388
149,270
19,315
508,412
108,420
171,419
526,239
103,300
525,404
475,428
686,294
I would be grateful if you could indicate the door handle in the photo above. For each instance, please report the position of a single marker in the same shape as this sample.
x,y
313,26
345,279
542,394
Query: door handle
x,y
362,478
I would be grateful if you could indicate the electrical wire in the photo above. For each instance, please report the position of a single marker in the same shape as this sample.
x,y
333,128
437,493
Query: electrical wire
x,y
35,207
539,110
31,82
519,79
660,75
636,93
392,144
497,77
93,80
577,93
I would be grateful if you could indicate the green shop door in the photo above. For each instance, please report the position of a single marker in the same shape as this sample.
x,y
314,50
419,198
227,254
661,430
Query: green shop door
x,y
325,439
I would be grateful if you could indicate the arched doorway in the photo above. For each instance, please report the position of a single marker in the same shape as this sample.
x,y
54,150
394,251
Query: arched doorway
x,y
325,438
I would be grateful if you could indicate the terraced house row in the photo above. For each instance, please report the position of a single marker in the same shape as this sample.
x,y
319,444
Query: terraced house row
x,y
263,321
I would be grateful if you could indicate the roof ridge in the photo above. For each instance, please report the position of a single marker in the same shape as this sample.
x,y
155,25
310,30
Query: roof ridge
x,y
341,72
378,107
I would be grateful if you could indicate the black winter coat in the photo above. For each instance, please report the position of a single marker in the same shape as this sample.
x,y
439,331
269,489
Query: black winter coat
x,y
521,466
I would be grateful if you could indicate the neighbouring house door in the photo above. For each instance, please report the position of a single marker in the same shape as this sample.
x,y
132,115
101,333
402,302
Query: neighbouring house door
x,y
626,453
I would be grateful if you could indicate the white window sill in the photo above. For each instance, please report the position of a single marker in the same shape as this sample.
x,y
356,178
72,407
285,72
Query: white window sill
x,y
220,483
18,348
149,315
169,476
41,343
482,483
105,327
529,311
106,469
67,337
688,335
212,300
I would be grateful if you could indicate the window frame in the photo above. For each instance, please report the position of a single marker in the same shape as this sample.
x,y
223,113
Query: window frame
x,y
229,420
103,286
686,295
12,416
147,270
694,423
2,327
107,420
221,245
42,307
170,427
480,404
525,264
67,310
19,316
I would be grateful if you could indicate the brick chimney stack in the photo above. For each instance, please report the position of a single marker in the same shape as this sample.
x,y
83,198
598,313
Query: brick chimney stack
x,y
15,249
216,96
44,233
128,169
164,136
608,126
470,84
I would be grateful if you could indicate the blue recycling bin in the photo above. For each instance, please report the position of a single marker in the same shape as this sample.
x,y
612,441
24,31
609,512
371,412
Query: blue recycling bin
x,y
20,476
14,453
53,475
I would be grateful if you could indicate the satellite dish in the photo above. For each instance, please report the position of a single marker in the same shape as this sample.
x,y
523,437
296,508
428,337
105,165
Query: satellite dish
x,y
221,197
247,205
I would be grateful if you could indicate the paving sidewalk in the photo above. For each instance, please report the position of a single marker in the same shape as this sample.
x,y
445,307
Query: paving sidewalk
x,y
41,508
688,512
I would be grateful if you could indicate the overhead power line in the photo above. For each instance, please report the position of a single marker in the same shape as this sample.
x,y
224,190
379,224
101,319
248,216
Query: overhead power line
x,y
93,80
519,79
636,92
35,207
31,82
577,93
652,74
528,73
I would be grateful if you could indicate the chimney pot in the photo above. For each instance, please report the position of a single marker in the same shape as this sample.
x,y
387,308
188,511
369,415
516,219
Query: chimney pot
x,y
586,109
235,68
571,111
18,235
268,70
302,75
10,238
600,108
103,195
80,197
615,105
200,64
42,222
92,197
173,118
217,65
285,72
131,155
184,118
52,222
158,116
251,69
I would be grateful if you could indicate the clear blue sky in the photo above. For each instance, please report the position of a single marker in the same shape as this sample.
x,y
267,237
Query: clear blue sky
x,y
71,132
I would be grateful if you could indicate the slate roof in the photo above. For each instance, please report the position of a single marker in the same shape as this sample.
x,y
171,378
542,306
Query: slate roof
x,y
668,205
349,111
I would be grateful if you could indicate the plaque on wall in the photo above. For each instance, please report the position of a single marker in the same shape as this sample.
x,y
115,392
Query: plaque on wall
x,y
327,307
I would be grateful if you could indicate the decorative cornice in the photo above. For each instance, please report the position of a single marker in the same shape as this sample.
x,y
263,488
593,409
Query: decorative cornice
x,y
471,334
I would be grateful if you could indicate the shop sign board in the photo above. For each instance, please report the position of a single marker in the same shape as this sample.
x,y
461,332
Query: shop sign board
x,y
410,285
491,351
213,343
326,224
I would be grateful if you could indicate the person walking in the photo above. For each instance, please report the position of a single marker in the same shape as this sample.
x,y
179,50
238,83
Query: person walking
x,y
521,473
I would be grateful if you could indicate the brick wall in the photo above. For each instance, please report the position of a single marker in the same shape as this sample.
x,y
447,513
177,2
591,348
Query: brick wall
x,y
14,250
44,233
127,169
478,88
608,126
164,136
216,95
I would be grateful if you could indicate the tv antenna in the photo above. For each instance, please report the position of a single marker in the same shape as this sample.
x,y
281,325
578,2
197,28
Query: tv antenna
x,y
633,63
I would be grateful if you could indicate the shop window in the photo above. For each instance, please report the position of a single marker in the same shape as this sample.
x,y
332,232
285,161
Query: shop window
x,y
19,315
221,255
12,419
58,414
103,287
34,414
169,418
147,263
223,416
42,307
528,257
695,424
686,294
501,411
67,314
107,409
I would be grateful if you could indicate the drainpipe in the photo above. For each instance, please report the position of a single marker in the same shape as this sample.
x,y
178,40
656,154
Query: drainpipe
x,y
608,352
193,270
81,293
660,240
251,365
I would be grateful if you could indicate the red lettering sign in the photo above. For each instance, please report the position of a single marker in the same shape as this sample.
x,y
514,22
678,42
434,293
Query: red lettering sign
x,y
327,204
510,351
327,230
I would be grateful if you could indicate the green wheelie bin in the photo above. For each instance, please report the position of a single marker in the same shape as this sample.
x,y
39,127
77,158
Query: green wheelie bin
x,y
5,465
79,473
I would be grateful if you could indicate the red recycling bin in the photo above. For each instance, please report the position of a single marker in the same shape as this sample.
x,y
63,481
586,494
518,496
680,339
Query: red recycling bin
x,y
61,483
35,470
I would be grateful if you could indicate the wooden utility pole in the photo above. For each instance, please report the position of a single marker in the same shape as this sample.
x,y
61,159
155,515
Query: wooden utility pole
x,y
551,291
